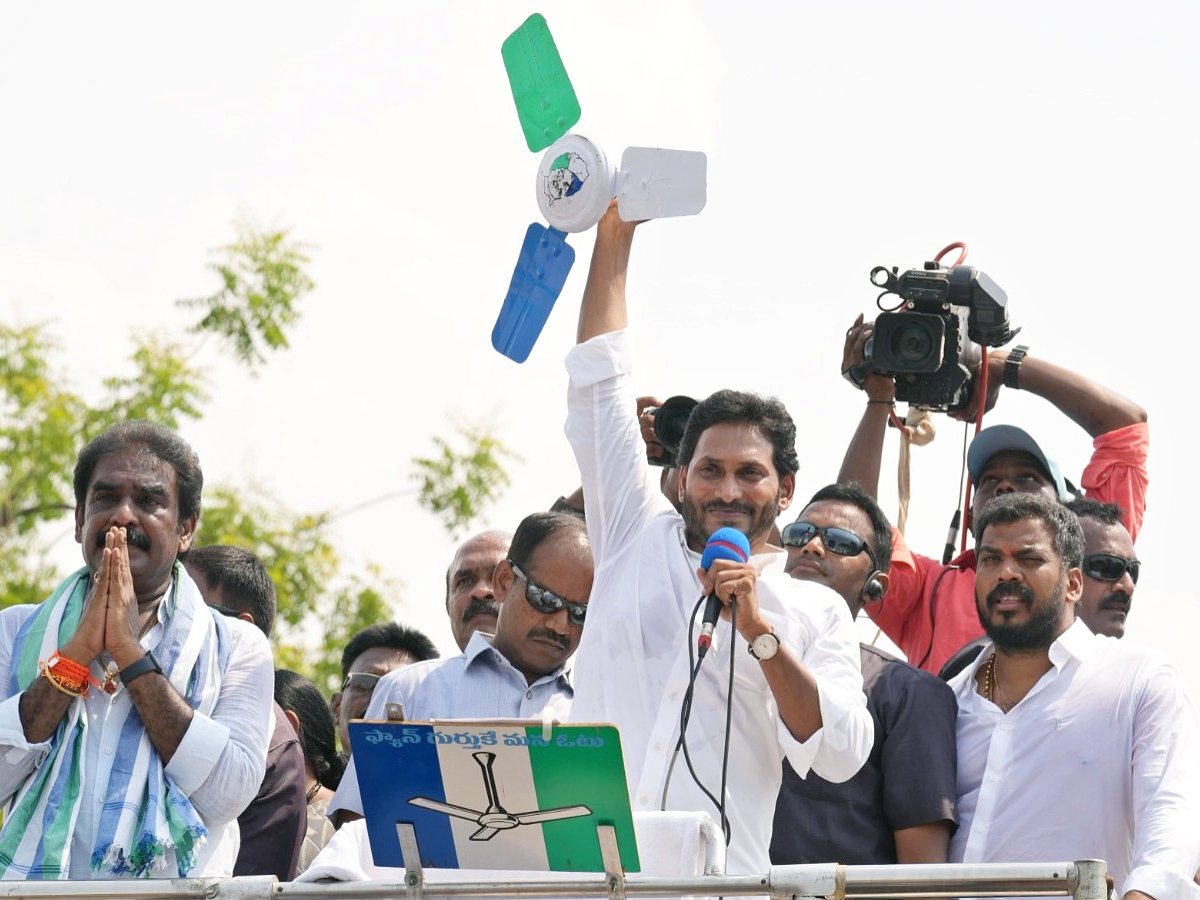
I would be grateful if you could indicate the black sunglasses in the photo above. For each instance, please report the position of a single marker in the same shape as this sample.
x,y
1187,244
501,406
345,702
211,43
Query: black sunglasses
x,y
546,601
836,540
362,682
1110,567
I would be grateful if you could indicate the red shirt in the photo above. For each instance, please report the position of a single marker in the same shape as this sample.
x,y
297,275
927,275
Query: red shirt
x,y
929,609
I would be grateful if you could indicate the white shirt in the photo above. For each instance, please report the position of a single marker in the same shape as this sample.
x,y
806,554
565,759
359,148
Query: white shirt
x,y
1098,761
479,683
219,763
632,664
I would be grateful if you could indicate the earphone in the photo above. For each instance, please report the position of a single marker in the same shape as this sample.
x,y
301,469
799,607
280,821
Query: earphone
x,y
873,587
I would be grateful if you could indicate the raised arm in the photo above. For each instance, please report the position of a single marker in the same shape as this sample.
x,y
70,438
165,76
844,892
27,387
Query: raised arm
x,y
865,450
1090,405
603,308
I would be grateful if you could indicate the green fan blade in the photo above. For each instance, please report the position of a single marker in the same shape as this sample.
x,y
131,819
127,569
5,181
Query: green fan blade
x,y
546,102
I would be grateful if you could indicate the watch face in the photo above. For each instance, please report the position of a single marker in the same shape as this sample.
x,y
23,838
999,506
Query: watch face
x,y
765,646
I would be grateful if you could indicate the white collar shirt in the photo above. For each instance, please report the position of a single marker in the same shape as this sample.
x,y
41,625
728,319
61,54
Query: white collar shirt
x,y
479,683
1098,761
632,664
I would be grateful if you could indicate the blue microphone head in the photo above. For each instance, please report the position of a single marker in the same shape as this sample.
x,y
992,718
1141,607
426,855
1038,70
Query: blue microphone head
x,y
725,543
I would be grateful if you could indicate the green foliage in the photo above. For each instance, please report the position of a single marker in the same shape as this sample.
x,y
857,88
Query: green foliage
x,y
262,278
458,484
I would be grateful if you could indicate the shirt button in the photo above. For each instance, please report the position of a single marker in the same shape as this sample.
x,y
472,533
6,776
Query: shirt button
x,y
657,746
529,695
982,829
674,695
108,751
642,800
993,777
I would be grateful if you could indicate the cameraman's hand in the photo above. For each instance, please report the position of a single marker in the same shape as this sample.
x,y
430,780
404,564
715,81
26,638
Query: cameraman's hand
x,y
646,407
995,362
854,367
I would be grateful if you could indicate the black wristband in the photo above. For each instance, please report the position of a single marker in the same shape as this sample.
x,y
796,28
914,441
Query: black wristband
x,y
139,668
1012,366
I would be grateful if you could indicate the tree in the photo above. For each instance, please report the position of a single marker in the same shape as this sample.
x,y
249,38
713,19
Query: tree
x,y
44,423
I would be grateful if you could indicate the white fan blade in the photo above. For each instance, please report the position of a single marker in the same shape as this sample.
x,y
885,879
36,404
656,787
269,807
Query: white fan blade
x,y
657,184
549,815
449,809
485,834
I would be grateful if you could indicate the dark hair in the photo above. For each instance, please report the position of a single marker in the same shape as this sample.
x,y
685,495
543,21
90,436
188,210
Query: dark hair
x,y
242,577
391,635
766,414
1063,525
853,493
539,527
1106,513
159,441
297,694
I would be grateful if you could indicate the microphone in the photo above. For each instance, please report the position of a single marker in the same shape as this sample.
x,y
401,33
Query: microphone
x,y
725,543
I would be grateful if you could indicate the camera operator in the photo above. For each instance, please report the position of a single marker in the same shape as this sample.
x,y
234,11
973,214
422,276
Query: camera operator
x,y
930,610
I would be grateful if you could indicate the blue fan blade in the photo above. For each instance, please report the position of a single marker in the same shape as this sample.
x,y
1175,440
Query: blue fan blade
x,y
538,279
546,102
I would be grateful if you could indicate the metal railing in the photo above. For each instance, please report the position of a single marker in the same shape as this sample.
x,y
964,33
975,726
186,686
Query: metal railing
x,y
1082,880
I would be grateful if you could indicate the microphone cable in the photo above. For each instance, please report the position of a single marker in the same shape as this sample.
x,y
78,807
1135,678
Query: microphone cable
x,y
685,714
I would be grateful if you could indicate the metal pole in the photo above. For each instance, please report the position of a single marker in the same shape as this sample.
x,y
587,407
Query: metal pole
x,y
1083,880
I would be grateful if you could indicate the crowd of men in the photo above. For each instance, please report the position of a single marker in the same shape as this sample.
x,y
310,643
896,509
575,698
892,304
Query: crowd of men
x,y
146,733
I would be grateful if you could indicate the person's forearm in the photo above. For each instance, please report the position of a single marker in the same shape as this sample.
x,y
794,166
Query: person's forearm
x,y
929,843
165,714
1090,405
603,307
42,707
865,451
795,690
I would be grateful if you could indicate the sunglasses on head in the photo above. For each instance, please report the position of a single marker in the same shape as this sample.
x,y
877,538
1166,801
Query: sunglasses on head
x,y
362,682
836,540
1110,567
546,601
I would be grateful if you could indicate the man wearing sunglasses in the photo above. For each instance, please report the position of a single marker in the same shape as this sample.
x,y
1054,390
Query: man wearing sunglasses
x,y
1070,745
542,589
797,689
899,808
1110,567
930,614
367,657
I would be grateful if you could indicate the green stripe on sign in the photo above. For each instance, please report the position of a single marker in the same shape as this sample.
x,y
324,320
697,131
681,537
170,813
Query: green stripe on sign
x,y
582,765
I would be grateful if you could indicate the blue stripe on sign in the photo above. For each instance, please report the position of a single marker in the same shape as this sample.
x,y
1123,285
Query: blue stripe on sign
x,y
390,775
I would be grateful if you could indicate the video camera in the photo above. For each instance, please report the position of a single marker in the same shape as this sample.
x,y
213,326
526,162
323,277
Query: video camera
x,y
930,343
670,419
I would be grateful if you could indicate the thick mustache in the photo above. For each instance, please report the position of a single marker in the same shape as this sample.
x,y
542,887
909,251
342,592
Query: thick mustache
x,y
560,639
1117,600
1003,591
480,606
720,506
135,537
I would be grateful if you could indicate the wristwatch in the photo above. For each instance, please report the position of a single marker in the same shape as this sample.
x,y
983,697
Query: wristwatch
x,y
1012,365
139,668
764,647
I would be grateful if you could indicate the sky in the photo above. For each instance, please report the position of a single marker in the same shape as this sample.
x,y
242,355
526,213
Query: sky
x,y
1057,139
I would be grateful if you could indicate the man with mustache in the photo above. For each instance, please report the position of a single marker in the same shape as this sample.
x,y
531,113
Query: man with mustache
x,y
470,598
1110,567
1070,745
542,588
133,719
797,689
899,808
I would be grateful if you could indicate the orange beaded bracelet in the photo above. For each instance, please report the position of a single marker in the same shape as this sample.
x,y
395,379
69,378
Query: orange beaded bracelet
x,y
66,675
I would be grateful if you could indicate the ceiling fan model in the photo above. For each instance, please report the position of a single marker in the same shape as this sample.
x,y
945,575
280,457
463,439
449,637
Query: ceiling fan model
x,y
496,818
575,184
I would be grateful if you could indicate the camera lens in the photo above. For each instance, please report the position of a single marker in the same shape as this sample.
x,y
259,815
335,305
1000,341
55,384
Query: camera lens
x,y
912,344
669,422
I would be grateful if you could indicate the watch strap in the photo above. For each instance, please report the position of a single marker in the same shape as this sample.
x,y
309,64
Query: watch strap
x,y
140,667
1012,365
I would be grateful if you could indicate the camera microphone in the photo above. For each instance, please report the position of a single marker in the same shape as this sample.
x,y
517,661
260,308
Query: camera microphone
x,y
725,543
